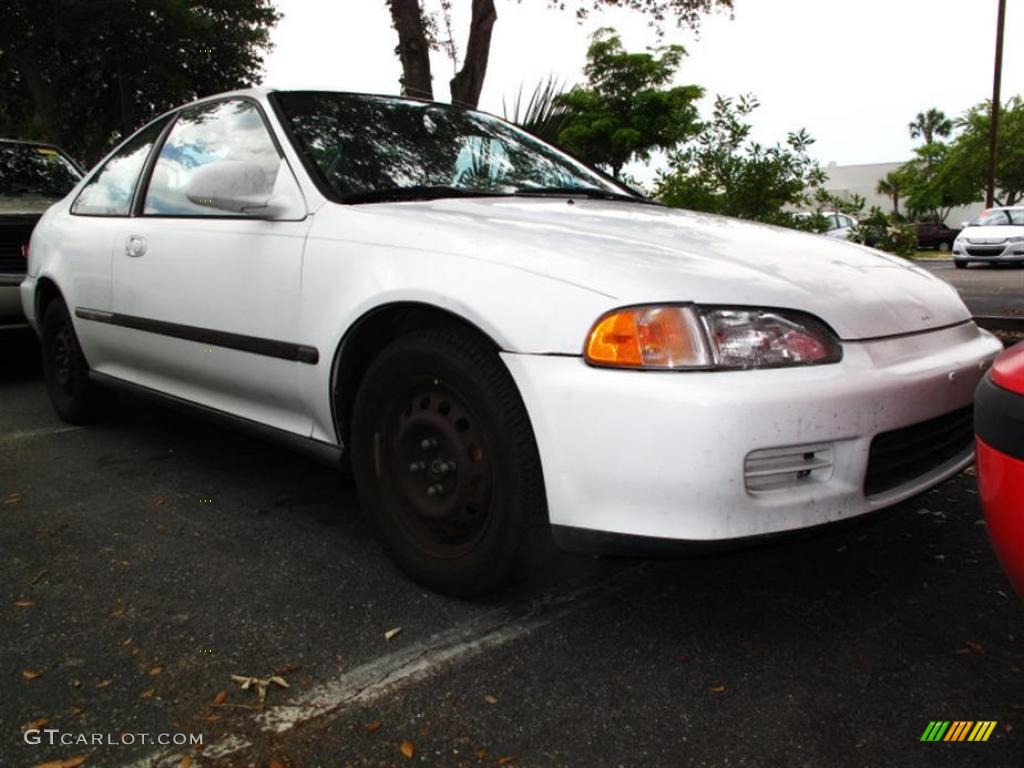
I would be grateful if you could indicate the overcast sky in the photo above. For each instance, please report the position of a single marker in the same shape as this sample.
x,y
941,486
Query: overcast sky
x,y
852,73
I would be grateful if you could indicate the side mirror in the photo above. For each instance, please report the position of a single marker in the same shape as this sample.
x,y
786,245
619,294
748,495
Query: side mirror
x,y
239,186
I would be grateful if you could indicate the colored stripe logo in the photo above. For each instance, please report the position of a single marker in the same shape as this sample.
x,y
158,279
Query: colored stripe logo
x,y
958,730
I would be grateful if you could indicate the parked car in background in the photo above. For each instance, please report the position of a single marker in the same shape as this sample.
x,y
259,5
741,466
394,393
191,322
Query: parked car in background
x,y
999,423
506,343
837,225
994,237
32,178
935,234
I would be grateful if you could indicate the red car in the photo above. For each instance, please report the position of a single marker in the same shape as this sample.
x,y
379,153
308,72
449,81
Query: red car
x,y
999,427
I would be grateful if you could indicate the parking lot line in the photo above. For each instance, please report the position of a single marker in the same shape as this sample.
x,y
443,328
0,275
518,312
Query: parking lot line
x,y
387,674
43,432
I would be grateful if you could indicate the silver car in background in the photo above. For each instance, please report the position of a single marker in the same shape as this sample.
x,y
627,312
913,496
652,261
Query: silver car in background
x,y
996,236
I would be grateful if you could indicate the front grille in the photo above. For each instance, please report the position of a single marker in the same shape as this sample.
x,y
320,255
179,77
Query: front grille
x,y
985,250
775,469
11,260
14,233
903,455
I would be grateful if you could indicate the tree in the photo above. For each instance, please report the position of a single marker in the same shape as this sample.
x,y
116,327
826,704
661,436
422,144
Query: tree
x,y
625,111
892,186
928,125
722,171
82,74
544,114
417,36
967,160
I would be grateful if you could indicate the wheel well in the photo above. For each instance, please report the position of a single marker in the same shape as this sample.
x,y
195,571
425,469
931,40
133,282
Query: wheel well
x,y
46,292
369,335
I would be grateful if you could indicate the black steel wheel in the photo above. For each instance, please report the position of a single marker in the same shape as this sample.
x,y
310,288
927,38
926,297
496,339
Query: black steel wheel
x,y
446,465
75,398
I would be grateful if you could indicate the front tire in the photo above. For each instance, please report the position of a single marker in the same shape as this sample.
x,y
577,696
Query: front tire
x,y
446,464
75,398
960,264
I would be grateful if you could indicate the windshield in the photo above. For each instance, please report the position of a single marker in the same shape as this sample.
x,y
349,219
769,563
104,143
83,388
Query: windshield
x,y
1000,217
369,148
32,169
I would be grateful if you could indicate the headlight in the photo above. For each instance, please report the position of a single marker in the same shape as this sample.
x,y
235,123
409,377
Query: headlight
x,y
669,337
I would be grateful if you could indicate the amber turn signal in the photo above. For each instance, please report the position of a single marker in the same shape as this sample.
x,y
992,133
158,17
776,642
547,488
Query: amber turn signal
x,y
648,337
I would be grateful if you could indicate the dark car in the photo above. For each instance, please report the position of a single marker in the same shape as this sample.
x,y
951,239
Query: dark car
x,y
934,234
32,177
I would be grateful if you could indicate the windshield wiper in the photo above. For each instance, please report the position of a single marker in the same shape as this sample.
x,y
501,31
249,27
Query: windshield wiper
x,y
418,192
595,193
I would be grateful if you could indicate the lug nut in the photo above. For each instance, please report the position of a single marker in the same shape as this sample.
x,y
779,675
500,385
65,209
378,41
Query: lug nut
x,y
428,444
435,490
416,466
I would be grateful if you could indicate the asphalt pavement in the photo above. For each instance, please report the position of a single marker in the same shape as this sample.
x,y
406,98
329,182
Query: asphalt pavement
x,y
987,290
150,557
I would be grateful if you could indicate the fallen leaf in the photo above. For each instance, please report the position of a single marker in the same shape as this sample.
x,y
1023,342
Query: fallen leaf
x,y
117,613
33,725
276,764
505,760
408,749
220,698
159,501
24,604
186,761
155,671
12,498
39,576
481,754
136,651
126,642
373,727
76,711
392,632
103,683
31,674
148,693
277,679
490,699
69,762
718,689
210,718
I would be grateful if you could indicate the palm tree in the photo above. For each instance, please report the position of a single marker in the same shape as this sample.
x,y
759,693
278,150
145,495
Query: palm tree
x,y
892,187
928,125
544,114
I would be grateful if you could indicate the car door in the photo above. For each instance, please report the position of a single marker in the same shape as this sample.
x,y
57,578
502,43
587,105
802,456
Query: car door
x,y
212,296
87,240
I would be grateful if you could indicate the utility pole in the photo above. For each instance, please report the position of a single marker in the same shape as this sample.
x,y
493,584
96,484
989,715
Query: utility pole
x,y
993,143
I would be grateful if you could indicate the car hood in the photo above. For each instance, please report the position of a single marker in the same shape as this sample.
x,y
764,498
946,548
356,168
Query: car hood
x,y
636,253
996,234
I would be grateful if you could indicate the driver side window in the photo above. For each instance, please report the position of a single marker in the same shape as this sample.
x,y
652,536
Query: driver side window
x,y
209,133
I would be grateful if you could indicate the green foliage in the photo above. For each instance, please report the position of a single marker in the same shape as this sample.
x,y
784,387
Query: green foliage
x,y
543,114
83,74
626,109
945,175
887,233
894,186
928,125
723,171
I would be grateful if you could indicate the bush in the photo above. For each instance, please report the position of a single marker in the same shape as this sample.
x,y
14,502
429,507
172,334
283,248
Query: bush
x,y
881,230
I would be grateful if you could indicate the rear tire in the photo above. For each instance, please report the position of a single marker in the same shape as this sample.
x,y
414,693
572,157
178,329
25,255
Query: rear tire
x,y
446,464
960,264
76,399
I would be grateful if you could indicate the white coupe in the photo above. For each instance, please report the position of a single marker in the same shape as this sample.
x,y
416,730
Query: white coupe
x,y
503,342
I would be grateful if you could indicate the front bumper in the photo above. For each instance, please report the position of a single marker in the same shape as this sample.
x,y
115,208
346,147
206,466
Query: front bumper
x,y
674,455
998,254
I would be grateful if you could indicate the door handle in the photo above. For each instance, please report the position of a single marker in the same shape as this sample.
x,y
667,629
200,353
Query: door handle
x,y
135,245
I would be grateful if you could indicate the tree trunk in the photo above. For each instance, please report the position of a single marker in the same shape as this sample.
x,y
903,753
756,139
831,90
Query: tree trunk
x,y
413,50
469,81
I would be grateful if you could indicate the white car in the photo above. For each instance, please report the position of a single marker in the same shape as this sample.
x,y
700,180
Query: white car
x,y
499,338
994,237
837,225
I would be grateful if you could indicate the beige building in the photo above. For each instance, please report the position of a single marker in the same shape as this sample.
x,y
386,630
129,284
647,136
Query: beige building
x,y
844,181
